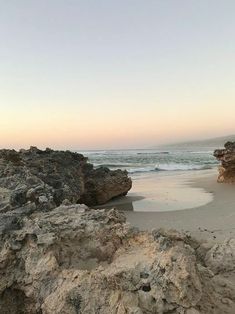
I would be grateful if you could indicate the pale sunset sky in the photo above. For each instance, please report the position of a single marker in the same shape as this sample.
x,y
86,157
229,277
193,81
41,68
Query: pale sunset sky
x,y
100,74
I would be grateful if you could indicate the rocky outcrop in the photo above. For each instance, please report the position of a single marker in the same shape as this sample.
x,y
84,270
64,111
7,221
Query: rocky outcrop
x,y
77,260
46,179
227,158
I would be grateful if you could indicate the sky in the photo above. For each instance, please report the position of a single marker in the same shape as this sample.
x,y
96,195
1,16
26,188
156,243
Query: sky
x,y
105,74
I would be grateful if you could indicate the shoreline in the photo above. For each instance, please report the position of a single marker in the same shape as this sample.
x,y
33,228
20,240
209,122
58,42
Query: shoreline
x,y
161,192
214,220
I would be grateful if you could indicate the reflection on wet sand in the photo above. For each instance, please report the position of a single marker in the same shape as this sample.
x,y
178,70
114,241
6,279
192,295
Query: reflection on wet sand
x,y
163,192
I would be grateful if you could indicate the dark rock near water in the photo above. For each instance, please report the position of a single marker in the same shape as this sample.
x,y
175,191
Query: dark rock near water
x,y
227,158
48,178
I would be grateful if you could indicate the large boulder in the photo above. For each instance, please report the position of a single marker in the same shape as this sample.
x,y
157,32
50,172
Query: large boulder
x,y
227,158
46,179
77,260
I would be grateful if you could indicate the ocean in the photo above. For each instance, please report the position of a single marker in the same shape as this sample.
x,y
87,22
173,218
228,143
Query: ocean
x,y
137,161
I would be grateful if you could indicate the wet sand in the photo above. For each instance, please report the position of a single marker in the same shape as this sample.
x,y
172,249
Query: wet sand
x,y
163,191
213,220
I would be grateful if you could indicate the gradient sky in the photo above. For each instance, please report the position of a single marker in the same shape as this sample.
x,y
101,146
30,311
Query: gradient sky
x,y
90,74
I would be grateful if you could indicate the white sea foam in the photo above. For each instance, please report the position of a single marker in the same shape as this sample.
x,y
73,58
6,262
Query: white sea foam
x,y
177,166
169,167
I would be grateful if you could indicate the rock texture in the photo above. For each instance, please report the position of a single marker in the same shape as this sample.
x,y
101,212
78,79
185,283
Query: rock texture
x,y
227,158
77,260
46,179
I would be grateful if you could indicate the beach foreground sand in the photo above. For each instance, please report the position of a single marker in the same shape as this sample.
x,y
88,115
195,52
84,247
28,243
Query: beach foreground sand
x,y
213,220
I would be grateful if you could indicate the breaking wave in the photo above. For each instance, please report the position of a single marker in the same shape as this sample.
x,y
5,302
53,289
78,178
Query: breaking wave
x,y
170,167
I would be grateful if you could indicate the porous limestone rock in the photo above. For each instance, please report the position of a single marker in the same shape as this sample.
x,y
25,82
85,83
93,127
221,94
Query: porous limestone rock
x,y
221,257
46,179
227,158
77,260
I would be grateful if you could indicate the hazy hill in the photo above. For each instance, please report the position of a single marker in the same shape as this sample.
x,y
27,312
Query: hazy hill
x,y
208,144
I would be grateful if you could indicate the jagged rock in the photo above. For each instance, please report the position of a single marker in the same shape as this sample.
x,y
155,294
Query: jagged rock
x,y
221,257
227,158
48,178
77,260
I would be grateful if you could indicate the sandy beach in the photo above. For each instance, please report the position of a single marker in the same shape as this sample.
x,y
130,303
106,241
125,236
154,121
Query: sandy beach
x,y
211,214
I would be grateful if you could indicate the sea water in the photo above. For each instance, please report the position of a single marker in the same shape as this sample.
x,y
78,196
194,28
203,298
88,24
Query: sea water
x,y
152,160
